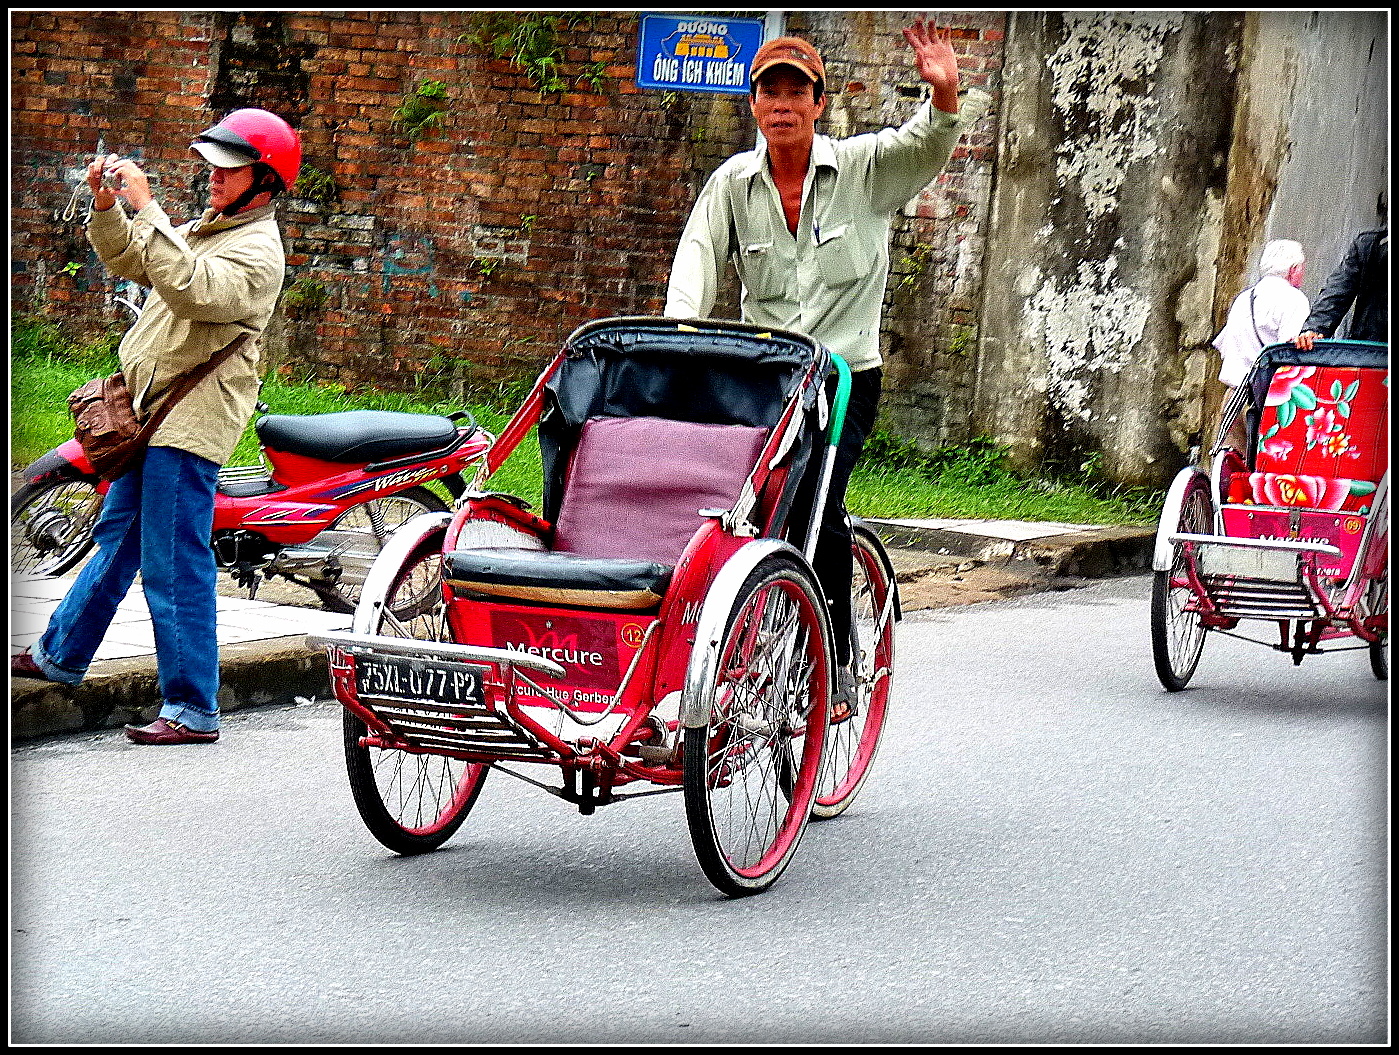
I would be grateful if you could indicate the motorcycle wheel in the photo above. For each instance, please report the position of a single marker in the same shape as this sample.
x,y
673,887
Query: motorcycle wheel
x,y
357,535
51,525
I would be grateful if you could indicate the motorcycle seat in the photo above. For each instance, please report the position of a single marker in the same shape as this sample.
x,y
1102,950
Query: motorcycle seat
x,y
355,436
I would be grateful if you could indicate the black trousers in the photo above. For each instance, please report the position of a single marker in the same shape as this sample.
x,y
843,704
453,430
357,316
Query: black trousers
x,y
832,564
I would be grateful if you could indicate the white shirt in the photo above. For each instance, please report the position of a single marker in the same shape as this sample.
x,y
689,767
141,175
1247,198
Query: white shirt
x,y
1276,314
828,279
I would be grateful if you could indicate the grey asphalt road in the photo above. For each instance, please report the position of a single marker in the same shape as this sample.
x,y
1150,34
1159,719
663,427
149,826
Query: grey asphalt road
x,y
1051,850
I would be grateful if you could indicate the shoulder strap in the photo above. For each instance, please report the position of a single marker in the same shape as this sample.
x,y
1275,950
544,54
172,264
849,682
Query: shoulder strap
x,y
1252,293
185,383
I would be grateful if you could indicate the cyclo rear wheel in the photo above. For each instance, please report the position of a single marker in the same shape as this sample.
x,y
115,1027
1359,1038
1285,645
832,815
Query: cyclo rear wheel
x,y
411,803
852,742
751,771
1177,635
1377,603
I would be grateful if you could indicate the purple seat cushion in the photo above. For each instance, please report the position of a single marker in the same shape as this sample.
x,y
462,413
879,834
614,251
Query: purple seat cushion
x,y
635,486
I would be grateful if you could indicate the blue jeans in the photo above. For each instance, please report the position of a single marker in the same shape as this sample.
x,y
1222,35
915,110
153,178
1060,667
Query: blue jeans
x,y
156,519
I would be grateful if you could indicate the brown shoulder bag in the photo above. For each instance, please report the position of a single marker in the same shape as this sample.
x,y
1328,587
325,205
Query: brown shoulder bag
x,y
106,426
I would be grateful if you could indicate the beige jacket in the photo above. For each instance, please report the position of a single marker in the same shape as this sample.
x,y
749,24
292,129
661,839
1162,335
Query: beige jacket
x,y
827,281
210,281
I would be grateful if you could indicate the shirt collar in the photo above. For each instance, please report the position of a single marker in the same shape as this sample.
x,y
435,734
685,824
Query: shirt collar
x,y
823,155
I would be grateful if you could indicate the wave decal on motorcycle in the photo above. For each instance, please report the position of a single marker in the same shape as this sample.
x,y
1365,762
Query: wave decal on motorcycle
x,y
392,482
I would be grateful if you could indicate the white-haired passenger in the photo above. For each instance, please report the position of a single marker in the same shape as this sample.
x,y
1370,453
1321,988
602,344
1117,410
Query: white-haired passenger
x,y
1271,311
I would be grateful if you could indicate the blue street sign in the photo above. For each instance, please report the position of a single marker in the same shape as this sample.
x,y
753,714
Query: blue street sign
x,y
696,53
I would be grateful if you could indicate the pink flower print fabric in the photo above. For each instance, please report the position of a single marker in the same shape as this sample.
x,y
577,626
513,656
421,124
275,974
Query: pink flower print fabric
x,y
1324,438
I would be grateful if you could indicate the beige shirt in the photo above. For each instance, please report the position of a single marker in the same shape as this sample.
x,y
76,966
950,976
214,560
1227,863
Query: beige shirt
x,y
828,280
210,280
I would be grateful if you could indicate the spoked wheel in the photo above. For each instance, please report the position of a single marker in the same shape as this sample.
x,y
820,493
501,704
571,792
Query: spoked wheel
x,y
853,739
411,803
1177,635
51,526
751,770
1377,603
356,536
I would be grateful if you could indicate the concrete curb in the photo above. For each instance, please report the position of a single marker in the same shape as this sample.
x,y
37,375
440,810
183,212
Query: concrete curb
x,y
118,691
1088,553
279,670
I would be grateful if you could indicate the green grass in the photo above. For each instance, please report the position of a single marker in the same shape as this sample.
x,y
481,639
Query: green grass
x,y
894,479
879,493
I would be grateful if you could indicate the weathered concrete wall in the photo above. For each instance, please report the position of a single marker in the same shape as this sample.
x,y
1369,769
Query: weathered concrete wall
x,y
1309,156
1334,175
1112,165
1144,161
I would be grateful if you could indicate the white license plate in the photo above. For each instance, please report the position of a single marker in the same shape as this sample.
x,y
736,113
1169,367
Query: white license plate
x,y
405,678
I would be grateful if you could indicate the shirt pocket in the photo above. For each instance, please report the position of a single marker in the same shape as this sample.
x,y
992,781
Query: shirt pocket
x,y
763,272
841,258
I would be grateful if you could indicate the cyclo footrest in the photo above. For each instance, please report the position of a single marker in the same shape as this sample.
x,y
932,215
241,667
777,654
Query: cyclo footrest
x,y
1257,578
433,696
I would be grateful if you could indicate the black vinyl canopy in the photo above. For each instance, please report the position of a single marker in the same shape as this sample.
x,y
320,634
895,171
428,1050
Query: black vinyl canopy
x,y
704,371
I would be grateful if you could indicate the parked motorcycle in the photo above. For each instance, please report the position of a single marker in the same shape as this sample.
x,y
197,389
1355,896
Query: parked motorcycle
x,y
331,490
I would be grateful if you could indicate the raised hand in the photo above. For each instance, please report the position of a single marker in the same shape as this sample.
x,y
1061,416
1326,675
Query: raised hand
x,y
937,62
102,196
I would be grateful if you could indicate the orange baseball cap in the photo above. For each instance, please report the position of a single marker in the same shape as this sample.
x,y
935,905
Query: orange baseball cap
x,y
788,51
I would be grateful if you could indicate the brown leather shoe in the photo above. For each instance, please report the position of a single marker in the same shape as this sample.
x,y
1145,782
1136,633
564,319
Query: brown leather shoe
x,y
162,731
22,665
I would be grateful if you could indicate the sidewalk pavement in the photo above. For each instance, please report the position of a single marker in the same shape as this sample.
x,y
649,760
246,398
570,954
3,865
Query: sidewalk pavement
x,y
264,658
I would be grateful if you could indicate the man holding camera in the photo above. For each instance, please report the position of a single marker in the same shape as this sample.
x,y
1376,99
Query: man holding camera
x,y
211,280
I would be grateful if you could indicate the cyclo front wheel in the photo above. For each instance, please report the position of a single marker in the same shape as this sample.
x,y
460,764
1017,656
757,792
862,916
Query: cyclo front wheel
x,y
411,803
853,740
1177,635
751,771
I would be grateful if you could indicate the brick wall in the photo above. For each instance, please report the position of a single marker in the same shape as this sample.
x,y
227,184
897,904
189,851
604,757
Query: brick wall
x,y
75,79
471,252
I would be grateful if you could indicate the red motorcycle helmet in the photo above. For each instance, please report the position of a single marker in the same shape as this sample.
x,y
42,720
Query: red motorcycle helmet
x,y
253,137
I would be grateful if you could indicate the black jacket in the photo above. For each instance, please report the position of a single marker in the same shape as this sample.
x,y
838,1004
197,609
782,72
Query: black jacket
x,y
1361,277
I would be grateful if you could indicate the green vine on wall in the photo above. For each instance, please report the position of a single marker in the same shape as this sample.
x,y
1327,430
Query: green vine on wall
x,y
305,293
423,110
918,261
315,186
531,43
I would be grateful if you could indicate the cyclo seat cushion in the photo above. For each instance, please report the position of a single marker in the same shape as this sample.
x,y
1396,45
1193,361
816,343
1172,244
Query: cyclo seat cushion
x,y
354,436
631,503
548,577
635,486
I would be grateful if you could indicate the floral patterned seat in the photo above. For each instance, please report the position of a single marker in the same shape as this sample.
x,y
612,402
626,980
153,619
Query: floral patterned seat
x,y
1323,440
